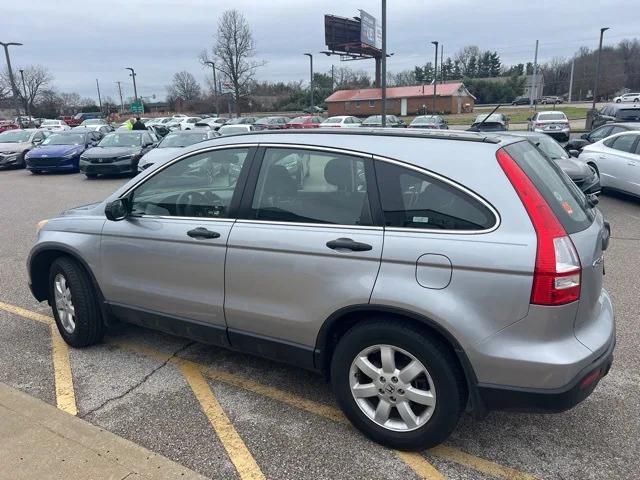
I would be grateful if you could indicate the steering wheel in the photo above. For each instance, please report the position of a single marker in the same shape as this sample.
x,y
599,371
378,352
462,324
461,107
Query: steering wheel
x,y
190,203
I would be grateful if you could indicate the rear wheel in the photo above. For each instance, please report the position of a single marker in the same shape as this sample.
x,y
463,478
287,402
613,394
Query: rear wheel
x,y
74,304
91,175
398,385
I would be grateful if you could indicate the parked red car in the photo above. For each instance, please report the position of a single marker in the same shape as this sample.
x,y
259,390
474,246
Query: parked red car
x,y
7,125
71,120
305,121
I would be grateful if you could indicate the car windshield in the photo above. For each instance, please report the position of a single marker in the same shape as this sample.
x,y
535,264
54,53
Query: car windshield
x,y
300,120
93,121
174,140
14,136
423,120
629,114
71,139
549,147
552,116
333,120
265,121
494,117
51,122
129,139
374,119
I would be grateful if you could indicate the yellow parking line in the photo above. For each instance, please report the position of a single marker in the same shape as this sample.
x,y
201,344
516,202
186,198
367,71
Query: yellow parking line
x,y
234,445
417,462
65,393
479,464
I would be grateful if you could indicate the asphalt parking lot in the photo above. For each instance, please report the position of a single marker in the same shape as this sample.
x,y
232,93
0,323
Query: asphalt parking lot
x,y
228,415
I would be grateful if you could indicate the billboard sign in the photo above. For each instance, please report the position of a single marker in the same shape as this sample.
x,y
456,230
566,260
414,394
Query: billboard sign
x,y
370,30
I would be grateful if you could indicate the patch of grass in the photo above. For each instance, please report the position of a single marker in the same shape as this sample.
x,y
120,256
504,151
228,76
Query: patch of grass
x,y
518,115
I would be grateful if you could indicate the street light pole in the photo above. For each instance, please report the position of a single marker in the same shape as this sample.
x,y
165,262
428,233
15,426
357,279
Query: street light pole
x,y
383,65
133,75
595,85
14,89
435,76
27,108
215,83
311,78
121,102
99,97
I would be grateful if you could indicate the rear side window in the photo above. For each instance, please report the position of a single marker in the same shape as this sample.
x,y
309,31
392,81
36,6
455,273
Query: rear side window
x,y
563,196
411,199
624,143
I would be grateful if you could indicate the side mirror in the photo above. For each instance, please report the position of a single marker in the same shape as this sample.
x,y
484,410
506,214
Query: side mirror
x,y
574,153
593,199
117,210
584,136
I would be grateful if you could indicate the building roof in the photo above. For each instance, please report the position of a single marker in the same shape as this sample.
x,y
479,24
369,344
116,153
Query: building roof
x,y
442,90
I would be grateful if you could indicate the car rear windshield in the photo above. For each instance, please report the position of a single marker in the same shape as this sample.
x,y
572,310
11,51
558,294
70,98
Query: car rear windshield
x,y
551,116
565,199
628,114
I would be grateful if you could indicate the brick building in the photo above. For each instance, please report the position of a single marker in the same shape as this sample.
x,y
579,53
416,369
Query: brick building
x,y
450,98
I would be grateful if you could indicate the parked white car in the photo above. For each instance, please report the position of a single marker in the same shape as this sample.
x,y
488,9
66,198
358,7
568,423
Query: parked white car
x,y
551,122
210,123
341,121
54,125
233,129
183,123
628,97
616,159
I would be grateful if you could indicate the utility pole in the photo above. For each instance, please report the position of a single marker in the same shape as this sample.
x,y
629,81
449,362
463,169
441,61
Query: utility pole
x,y
99,97
383,65
534,79
573,64
14,89
435,76
595,85
215,83
121,102
27,108
311,79
441,62
133,75
333,81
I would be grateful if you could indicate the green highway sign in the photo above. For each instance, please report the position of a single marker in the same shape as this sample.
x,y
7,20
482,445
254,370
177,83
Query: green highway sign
x,y
137,107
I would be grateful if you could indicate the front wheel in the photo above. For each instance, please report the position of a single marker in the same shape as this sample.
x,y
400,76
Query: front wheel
x,y
397,384
91,176
74,304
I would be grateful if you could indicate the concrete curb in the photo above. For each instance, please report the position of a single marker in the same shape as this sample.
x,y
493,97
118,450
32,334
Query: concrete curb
x,y
39,441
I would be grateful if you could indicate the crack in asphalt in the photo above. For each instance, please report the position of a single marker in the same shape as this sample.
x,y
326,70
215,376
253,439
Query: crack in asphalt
x,y
138,384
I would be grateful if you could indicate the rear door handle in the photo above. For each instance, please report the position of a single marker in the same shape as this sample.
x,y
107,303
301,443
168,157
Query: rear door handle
x,y
202,232
348,244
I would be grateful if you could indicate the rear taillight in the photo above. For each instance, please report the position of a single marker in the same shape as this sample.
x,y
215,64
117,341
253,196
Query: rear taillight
x,y
556,277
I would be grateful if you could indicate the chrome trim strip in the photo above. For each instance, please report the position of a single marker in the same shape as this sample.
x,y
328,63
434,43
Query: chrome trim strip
x,y
302,224
352,153
169,217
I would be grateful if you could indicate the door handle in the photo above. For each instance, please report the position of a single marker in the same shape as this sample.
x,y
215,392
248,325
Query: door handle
x,y
632,163
202,232
348,244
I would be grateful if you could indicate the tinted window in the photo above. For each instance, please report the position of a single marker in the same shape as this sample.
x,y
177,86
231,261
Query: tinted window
x,y
629,114
615,130
412,199
563,196
624,143
198,186
552,116
311,187
599,134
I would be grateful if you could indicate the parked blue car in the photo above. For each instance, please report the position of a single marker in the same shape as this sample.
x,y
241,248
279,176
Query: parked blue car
x,y
60,152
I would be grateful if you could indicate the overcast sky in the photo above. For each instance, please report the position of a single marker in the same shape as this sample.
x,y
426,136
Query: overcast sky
x,y
80,40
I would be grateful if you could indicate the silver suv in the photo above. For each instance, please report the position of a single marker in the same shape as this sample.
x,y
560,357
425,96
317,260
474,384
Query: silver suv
x,y
424,274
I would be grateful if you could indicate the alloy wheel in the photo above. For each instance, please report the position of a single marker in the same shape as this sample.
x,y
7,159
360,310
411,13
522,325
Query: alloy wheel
x,y
64,304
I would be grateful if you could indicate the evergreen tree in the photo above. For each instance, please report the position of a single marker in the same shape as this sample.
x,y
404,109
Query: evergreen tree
x,y
472,67
495,65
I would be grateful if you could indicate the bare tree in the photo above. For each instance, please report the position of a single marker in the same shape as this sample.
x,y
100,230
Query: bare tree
x,y
37,79
5,88
234,48
70,101
464,55
185,87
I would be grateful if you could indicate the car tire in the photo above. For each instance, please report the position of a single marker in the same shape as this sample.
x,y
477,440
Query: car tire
x,y
442,378
636,100
22,163
91,176
36,172
74,304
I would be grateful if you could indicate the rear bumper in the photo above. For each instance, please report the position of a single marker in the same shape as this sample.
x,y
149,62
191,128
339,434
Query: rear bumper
x,y
545,400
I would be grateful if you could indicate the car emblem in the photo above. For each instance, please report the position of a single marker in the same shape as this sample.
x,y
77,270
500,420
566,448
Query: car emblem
x,y
45,155
390,388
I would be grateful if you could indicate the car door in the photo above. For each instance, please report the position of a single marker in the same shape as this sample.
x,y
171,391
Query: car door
x,y
618,162
306,246
165,261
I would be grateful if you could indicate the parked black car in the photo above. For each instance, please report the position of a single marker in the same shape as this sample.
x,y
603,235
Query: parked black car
x,y
429,121
494,122
616,112
581,173
118,152
599,133
522,101
376,121
271,123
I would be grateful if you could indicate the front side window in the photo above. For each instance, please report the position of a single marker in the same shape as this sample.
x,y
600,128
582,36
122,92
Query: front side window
x,y
411,199
198,186
308,186
599,134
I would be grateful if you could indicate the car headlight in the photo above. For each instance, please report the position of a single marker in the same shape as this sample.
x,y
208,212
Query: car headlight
x,y
125,157
40,225
70,155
